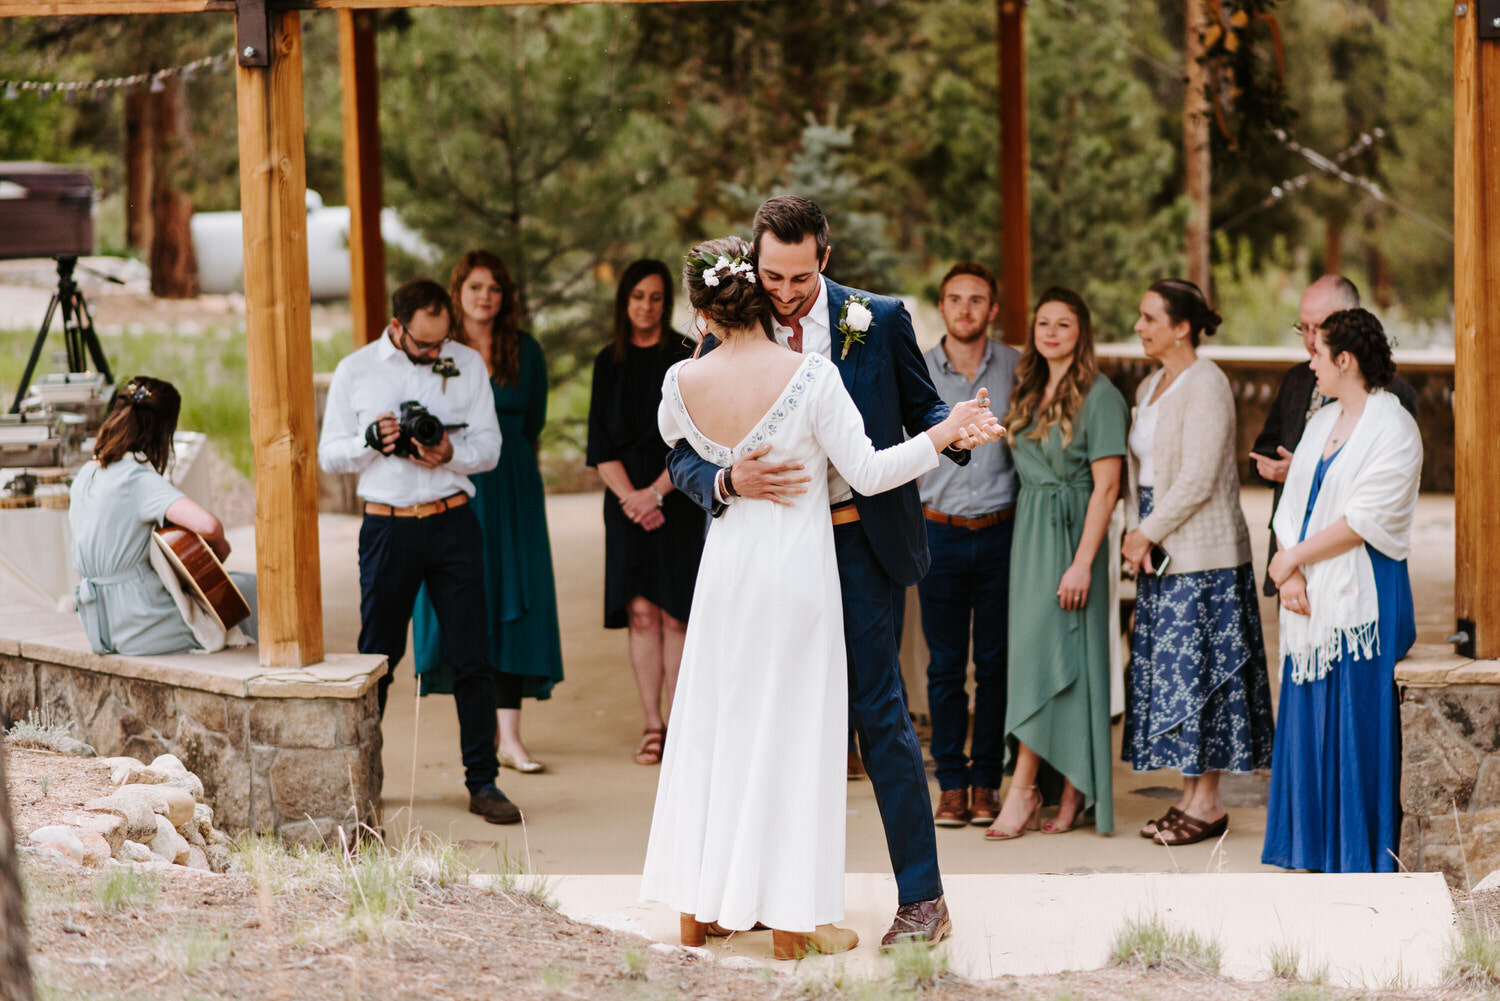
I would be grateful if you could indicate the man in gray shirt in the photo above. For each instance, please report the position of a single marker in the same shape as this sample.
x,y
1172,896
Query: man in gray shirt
x,y
969,512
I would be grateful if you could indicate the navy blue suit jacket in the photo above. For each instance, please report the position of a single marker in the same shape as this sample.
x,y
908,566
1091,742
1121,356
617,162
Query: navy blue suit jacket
x,y
888,380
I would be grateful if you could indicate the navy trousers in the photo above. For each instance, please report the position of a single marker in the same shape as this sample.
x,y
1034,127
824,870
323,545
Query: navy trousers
x,y
892,754
396,557
966,594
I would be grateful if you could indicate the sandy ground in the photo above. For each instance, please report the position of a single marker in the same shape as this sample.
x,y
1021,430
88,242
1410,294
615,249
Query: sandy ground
x,y
590,811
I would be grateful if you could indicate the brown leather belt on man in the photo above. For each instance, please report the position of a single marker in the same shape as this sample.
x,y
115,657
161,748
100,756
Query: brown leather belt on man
x,y
426,510
972,524
845,513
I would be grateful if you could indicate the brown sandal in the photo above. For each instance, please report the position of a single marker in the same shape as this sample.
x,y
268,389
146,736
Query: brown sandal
x,y
1165,822
653,738
1189,830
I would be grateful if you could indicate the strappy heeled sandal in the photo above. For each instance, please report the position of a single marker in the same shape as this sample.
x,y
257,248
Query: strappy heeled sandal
x,y
653,739
1033,821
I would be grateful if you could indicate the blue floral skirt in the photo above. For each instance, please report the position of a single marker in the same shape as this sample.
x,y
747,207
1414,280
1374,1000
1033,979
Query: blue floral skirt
x,y
1198,698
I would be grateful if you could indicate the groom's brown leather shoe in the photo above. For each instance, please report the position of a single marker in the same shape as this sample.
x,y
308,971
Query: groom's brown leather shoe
x,y
923,921
953,808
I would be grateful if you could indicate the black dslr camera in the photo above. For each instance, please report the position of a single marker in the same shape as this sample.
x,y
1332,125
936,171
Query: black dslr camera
x,y
418,427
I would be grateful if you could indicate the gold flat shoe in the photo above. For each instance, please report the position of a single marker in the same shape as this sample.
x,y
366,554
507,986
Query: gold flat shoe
x,y
524,765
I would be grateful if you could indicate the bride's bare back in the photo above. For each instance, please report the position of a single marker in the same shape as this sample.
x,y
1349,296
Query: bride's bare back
x,y
729,390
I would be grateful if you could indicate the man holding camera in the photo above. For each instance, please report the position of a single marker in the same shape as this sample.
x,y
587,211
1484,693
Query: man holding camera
x,y
418,526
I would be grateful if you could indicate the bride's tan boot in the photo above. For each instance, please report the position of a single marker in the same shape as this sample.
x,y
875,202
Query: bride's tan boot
x,y
825,939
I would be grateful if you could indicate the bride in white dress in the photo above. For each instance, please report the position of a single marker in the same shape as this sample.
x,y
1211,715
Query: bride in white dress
x,y
749,819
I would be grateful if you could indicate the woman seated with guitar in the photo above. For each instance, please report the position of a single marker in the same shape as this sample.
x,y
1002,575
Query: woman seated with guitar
x,y
117,501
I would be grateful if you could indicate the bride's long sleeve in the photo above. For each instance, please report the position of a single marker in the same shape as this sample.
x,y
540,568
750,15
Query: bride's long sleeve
x,y
840,429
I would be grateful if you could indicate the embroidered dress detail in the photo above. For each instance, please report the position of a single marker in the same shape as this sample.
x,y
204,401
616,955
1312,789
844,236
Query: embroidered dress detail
x,y
765,429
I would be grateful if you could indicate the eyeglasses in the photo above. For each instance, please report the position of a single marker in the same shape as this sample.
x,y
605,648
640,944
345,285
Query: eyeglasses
x,y
417,347
1304,329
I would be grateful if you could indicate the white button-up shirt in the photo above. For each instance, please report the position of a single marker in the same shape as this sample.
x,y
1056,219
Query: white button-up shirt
x,y
376,379
817,336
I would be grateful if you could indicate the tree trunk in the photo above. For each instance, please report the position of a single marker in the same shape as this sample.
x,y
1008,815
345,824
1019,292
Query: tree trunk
x,y
1195,150
1333,239
174,267
15,968
137,169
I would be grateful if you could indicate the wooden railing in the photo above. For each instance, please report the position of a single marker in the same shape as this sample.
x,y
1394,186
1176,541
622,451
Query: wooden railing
x,y
1256,373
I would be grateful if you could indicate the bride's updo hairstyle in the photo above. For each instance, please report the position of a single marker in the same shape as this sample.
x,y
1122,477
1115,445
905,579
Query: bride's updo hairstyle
x,y
1187,303
1359,333
719,276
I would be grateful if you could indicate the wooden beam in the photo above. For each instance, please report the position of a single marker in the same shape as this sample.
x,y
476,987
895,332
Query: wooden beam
x,y
1476,329
360,83
273,193
61,8
1195,150
1015,158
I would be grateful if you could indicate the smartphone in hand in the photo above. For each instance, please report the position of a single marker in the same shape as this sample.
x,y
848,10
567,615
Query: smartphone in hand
x,y
1160,560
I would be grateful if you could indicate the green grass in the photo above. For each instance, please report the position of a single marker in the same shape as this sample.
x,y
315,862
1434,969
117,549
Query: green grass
x,y
636,961
126,889
209,370
1149,944
1474,960
915,964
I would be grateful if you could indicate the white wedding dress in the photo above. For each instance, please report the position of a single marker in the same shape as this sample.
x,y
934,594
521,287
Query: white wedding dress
x,y
750,806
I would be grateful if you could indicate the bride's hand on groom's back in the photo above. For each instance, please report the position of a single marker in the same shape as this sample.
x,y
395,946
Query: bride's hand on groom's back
x,y
780,482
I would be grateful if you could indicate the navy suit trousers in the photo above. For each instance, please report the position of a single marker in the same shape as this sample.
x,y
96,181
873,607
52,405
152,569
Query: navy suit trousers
x,y
877,702
397,556
966,595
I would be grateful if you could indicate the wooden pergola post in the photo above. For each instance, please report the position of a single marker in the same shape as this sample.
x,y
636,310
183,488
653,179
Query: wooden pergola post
x,y
360,85
1015,157
1476,325
273,206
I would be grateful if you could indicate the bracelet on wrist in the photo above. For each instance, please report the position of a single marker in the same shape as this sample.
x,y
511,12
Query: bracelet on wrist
x,y
728,483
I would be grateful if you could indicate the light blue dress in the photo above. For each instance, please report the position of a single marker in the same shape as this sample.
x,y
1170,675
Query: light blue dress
x,y
123,605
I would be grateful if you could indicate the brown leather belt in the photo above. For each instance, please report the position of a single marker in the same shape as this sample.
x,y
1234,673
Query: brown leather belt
x,y
845,513
418,510
972,524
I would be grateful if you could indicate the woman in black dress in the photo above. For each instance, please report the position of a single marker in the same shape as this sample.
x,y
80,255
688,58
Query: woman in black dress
x,y
653,536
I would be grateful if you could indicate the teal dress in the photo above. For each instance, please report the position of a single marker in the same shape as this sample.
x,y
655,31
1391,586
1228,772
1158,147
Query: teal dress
x,y
1057,693
512,509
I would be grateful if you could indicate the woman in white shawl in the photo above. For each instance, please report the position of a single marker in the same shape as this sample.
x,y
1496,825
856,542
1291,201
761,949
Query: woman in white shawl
x,y
1344,531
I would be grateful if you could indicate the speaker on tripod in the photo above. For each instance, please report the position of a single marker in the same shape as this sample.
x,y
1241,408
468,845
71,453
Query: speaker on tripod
x,y
46,211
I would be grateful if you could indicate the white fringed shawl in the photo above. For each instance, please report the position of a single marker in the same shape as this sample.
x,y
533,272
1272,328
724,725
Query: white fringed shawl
x,y
1373,483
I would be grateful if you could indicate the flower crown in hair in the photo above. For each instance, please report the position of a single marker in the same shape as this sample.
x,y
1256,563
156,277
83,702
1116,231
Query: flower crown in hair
x,y
710,269
137,393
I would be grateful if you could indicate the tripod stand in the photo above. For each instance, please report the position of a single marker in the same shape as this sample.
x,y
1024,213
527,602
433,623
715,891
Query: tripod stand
x,y
78,331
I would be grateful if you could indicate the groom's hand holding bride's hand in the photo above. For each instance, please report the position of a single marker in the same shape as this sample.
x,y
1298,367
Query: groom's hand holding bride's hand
x,y
781,482
968,425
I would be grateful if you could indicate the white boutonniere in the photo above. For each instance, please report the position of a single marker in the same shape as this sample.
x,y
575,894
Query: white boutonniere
x,y
854,320
446,368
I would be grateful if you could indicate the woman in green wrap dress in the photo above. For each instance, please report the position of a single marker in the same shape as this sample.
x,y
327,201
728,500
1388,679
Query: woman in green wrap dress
x,y
525,648
1066,429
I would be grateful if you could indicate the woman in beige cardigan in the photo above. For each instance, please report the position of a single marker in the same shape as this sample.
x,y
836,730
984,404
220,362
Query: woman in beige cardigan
x,y
1198,697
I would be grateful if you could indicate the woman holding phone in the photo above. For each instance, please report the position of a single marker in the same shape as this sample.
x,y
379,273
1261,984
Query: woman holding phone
x,y
1198,699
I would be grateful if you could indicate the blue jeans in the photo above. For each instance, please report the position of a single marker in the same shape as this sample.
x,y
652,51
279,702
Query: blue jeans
x,y
398,555
967,593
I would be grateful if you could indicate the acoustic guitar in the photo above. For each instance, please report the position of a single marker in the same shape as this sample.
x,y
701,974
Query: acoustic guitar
x,y
202,575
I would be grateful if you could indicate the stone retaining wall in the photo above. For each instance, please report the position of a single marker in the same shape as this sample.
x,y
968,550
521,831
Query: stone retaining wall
x,y
296,752
1450,767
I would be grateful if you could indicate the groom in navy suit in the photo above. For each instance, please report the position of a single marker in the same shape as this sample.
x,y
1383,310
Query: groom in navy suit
x,y
881,541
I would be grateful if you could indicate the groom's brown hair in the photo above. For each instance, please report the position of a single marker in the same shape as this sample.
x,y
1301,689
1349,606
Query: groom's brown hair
x,y
791,219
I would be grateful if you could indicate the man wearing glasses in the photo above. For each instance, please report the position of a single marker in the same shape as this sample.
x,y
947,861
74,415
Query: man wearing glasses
x,y
418,526
1298,398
